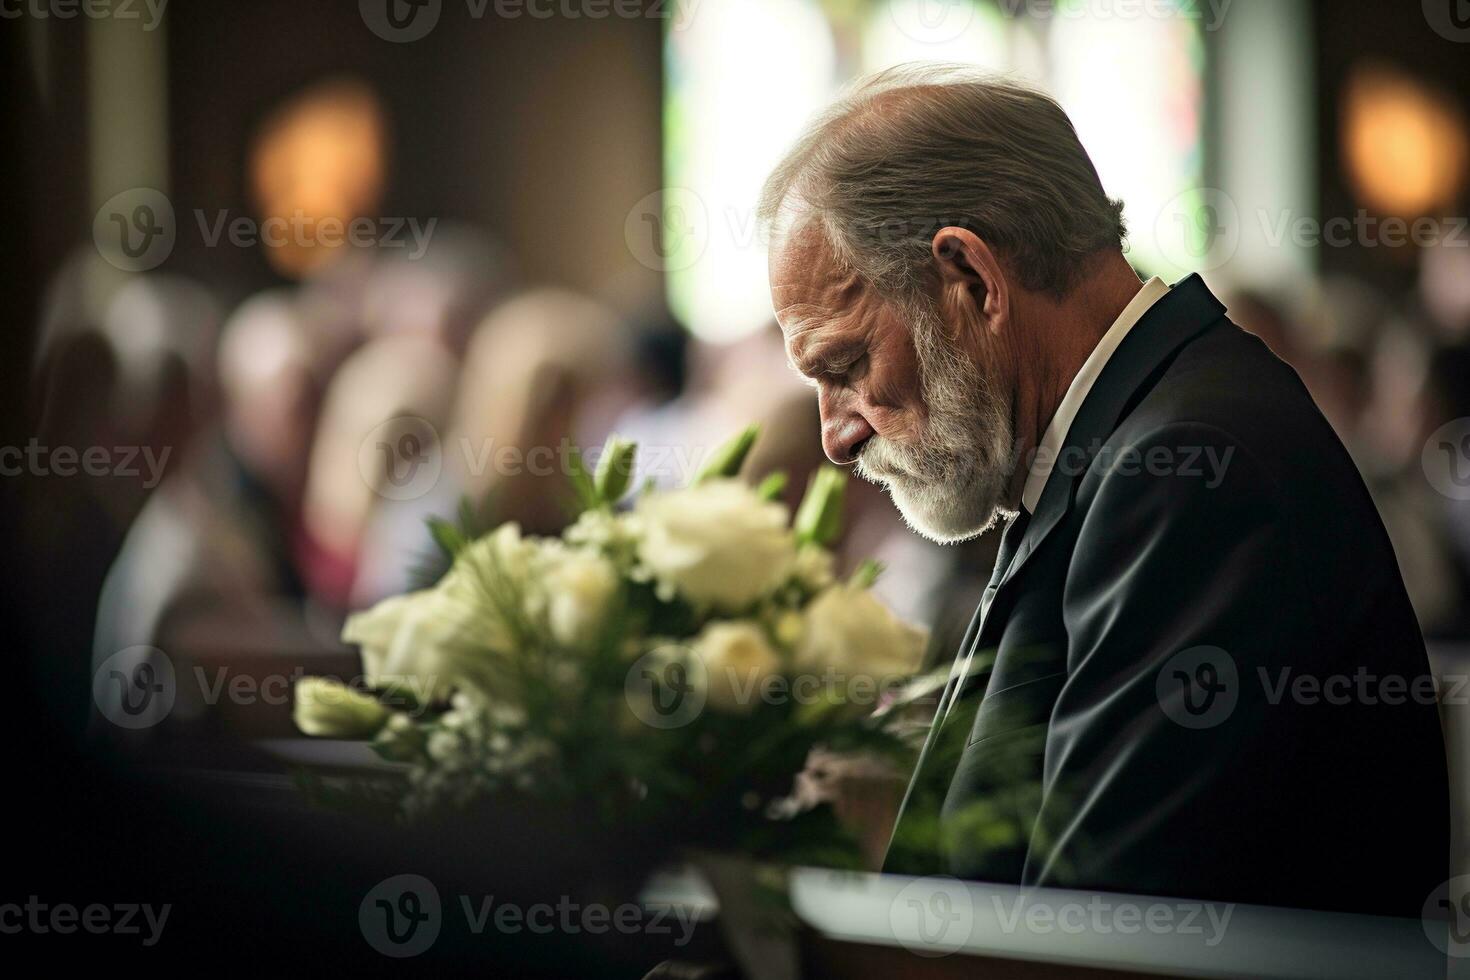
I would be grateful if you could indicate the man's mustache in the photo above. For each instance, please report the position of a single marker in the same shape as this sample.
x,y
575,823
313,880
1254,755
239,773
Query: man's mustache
x,y
882,460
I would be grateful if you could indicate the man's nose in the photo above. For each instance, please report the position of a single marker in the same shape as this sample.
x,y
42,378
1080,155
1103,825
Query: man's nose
x,y
843,435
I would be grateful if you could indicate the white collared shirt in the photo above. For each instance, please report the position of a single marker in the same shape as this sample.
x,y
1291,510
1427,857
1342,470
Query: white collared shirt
x,y
1056,431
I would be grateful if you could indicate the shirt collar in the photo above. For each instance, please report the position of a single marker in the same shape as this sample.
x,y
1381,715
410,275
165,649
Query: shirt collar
x,y
1056,431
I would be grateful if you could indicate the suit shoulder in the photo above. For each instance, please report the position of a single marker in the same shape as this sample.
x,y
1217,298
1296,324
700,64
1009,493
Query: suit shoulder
x,y
1229,384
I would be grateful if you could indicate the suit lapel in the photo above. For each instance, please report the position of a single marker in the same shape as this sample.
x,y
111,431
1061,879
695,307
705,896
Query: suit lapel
x,y
1176,318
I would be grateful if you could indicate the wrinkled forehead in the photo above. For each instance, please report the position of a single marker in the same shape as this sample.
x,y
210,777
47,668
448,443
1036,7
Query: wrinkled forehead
x,y
809,284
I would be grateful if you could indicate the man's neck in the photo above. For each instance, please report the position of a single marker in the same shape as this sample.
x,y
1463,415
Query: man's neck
x,y
1064,333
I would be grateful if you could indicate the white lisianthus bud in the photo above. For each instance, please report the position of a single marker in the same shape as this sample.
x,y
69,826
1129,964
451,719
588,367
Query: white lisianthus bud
x,y
848,630
819,518
580,586
737,659
813,567
717,543
400,740
789,628
331,710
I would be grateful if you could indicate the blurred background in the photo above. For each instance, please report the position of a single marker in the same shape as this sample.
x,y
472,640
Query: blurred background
x,y
289,278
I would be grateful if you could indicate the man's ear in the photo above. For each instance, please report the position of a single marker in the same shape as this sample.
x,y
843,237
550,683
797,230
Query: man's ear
x,y
970,276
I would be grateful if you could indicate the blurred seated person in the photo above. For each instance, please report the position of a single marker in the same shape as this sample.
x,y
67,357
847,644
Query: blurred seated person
x,y
376,459
218,530
545,370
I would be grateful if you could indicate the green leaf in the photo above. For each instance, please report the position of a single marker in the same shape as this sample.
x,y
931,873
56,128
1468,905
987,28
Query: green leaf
x,y
727,460
615,469
446,536
582,483
399,696
819,518
866,574
469,519
772,486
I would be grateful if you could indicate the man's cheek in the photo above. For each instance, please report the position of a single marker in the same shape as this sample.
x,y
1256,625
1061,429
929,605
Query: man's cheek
x,y
893,392
900,426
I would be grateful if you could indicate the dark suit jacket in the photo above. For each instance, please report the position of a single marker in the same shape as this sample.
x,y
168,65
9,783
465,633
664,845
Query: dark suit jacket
x,y
1207,679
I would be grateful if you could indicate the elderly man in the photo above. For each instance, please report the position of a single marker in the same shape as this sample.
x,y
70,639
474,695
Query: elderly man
x,y
1195,671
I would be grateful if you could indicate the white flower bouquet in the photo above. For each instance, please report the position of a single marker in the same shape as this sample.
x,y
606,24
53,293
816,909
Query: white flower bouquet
x,y
667,664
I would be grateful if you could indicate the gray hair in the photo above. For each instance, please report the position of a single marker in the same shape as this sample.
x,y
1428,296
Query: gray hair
x,y
914,149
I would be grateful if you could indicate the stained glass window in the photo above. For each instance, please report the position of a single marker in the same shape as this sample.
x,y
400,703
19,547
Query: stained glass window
x,y
743,76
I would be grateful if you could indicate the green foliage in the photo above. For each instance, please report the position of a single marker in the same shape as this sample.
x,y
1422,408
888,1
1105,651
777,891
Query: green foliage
x,y
727,460
448,537
615,469
866,573
819,518
772,486
583,483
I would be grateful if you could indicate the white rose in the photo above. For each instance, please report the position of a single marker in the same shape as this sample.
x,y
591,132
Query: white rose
x,y
502,555
716,543
450,636
430,641
580,586
848,630
331,710
737,659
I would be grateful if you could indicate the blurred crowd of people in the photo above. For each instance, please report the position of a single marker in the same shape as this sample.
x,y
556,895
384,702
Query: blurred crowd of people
x,y
303,437
1392,375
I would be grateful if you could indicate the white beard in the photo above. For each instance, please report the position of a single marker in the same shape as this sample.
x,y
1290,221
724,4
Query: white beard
x,y
949,486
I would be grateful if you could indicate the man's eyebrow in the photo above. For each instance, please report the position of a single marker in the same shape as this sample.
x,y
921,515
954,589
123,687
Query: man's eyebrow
x,y
818,356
